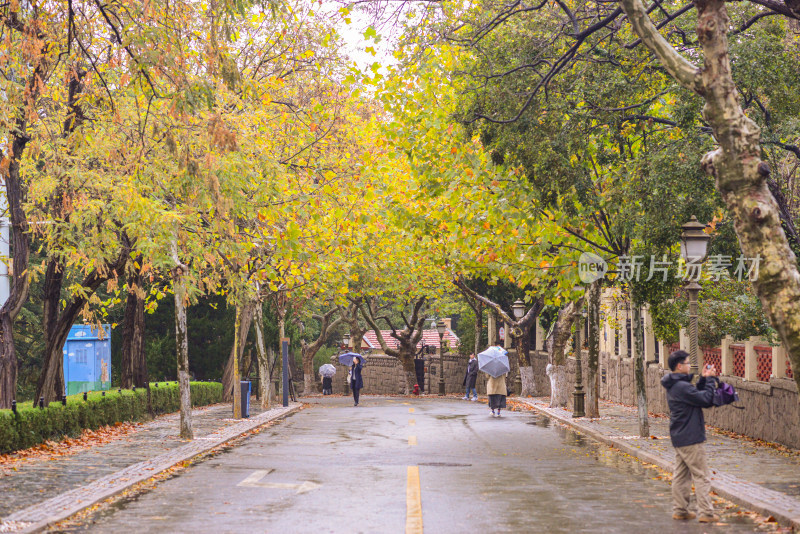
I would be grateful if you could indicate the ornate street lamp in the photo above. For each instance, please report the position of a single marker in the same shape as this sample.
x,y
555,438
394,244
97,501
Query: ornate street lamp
x,y
694,247
346,340
519,312
579,396
441,327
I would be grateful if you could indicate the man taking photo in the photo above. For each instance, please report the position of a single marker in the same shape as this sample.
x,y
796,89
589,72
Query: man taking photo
x,y
687,430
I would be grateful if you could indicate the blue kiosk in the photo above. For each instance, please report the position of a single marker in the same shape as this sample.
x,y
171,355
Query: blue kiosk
x,y
87,359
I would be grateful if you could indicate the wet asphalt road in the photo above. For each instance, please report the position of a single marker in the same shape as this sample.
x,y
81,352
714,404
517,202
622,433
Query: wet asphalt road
x,y
336,468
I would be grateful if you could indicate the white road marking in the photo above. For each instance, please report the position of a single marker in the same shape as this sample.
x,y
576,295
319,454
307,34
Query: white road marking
x,y
254,481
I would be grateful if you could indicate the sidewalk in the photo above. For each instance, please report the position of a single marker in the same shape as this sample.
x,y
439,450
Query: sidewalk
x,y
38,493
746,472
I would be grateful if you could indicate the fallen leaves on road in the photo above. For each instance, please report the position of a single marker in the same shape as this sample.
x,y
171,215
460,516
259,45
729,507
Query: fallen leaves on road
x,y
517,406
786,451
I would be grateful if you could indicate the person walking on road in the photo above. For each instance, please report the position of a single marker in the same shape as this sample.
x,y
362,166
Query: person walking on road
x,y
327,385
496,389
687,430
356,382
470,377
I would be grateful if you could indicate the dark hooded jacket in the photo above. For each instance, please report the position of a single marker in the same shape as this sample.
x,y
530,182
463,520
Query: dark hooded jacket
x,y
687,425
471,376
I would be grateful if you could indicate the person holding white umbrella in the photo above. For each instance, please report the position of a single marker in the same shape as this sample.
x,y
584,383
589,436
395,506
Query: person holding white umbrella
x,y
327,371
494,362
497,391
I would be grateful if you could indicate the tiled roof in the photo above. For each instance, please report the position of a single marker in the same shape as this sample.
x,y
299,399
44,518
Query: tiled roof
x,y
429,338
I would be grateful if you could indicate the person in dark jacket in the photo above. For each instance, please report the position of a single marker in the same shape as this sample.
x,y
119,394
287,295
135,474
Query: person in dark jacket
x,y
356,382
327,385
687,430
470,377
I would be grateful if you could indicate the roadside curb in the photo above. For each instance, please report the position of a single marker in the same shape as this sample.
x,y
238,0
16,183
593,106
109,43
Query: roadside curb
x,y
40,516
767,502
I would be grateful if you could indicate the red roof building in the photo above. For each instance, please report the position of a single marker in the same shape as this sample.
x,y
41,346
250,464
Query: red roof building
x,y
430,338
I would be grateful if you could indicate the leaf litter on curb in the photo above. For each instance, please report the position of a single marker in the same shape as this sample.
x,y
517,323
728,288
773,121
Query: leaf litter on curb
x,y
53,450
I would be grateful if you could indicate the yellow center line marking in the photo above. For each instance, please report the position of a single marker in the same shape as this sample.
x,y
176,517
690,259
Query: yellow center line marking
x,y
413,502
412,422
412,440
411,410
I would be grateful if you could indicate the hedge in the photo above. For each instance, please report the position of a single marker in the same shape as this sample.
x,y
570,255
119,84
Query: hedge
x,y
31,426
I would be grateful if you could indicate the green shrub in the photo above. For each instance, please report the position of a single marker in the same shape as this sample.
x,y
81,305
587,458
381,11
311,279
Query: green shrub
x,y
31,426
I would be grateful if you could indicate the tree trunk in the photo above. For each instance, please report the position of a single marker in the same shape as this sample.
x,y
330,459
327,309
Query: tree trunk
x,y
556,345
410,371
234,376
559,385
16,193
309,350
741,176
522,344
264,383
638,373
134,361
294,372
182,343
308,373
245,316
593,362
279,355
51,380
478,309
8,362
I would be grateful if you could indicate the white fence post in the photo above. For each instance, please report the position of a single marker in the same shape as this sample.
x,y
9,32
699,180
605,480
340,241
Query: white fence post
x,y
683,340
726,356
751,359
779,362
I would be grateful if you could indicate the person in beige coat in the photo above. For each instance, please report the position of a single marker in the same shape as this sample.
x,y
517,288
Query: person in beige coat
x,y
496,389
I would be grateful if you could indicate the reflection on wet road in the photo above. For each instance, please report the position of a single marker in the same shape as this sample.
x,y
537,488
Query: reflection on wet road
x,y
336,468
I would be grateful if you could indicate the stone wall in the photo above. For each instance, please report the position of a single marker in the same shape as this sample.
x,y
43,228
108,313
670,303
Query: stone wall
x,y
383,375
771,408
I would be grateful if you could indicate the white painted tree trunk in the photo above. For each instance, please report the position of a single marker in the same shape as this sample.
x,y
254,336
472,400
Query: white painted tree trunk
x,y
559,385
528,386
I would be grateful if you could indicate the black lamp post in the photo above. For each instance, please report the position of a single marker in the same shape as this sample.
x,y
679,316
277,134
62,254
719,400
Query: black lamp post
x,y
519,312
694,246
440,327
579,396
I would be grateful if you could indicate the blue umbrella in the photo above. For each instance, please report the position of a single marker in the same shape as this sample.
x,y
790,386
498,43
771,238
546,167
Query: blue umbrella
x,y
494,361
347,358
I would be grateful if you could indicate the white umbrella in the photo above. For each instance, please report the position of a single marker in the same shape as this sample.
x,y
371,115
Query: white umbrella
x,y
327,370
494,361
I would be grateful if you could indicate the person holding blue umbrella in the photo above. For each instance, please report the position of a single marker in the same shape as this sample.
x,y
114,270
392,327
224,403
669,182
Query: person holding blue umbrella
x,y
356,382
